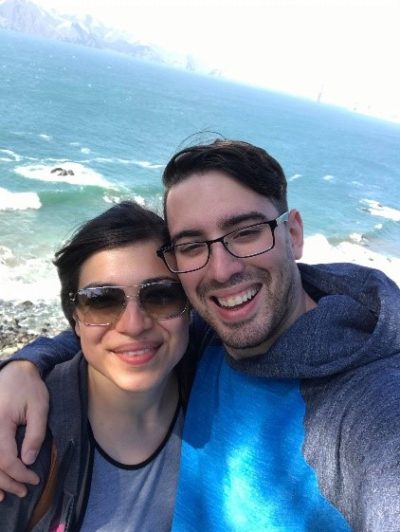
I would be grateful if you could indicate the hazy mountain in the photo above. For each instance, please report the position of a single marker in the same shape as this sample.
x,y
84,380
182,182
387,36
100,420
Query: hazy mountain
x,y
27,17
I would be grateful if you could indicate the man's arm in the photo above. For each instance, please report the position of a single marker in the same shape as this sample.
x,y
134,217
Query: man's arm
x,y
24,401
45,353
353,443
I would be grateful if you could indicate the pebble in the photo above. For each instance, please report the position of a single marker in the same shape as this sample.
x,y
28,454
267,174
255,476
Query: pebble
x,y
23,321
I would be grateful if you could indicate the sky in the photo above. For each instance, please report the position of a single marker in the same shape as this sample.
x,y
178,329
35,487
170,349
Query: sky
x,y
341,51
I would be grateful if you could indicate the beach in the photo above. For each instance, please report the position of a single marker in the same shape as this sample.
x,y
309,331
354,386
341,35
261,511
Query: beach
x,y
22,322
317,249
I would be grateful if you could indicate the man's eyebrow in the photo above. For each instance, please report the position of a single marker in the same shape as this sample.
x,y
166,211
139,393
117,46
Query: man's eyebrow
x,y
233,221
188,233
224,225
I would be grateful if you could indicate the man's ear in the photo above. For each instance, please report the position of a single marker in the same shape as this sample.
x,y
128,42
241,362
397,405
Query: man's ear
x,y
295,225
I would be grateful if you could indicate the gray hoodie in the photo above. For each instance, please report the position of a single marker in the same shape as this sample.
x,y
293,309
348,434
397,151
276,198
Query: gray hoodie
x,y
346,355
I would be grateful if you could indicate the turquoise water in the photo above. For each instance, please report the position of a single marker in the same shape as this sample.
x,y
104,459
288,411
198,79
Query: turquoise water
x,y
114,122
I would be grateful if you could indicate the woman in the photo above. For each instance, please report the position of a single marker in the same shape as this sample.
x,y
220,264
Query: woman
x,y
111,455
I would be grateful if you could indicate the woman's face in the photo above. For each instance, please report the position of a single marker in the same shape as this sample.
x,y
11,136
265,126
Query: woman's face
x,y
136,353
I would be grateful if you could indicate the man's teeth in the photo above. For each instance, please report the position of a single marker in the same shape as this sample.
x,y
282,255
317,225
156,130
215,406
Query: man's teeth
x,y
234,301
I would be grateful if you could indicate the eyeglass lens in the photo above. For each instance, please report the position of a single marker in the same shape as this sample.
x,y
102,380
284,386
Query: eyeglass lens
x,y
104,304
243,242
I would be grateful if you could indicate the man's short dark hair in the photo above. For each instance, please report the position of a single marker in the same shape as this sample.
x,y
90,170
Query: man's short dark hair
x,y
251,166
123,224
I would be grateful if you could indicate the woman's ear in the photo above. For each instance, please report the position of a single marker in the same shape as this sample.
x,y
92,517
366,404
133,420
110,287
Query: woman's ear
x,y
77,326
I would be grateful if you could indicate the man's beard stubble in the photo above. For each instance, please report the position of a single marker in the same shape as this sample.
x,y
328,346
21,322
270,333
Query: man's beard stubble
x,y
256,331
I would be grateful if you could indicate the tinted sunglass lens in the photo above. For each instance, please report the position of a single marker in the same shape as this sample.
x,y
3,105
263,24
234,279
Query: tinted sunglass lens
x,y
100,305
163,300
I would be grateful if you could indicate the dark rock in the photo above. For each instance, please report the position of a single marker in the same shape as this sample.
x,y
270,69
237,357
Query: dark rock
x,y
22,322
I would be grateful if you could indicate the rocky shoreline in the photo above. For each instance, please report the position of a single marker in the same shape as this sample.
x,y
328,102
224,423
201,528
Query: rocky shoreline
x,y
22,322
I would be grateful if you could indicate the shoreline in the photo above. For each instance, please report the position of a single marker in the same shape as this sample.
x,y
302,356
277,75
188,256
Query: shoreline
x,y
23,321
318,250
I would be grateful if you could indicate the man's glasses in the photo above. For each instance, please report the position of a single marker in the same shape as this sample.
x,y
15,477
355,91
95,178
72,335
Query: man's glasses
x,y
103,305
242,243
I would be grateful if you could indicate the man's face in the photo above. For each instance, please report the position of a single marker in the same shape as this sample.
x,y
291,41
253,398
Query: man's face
x,y
248,301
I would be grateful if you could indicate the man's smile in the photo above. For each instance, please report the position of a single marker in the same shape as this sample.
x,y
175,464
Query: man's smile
x,y
236,300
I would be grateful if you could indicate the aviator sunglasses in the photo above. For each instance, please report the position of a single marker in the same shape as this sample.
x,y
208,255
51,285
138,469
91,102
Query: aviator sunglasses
x,y
102,306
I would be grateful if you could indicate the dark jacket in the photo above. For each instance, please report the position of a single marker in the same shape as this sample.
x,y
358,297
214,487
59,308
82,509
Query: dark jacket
x,y
67,430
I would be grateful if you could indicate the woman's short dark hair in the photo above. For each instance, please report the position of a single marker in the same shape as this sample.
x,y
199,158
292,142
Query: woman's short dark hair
x,y
250,165
123,224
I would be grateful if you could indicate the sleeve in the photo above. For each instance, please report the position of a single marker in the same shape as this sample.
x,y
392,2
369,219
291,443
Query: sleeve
x,y
46,352
15,513
353,443
371,449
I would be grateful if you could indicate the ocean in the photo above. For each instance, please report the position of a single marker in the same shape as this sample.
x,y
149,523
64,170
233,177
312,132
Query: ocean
x,y
109,123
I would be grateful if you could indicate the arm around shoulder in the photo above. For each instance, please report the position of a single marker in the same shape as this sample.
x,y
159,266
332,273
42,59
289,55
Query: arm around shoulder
x,y
46,352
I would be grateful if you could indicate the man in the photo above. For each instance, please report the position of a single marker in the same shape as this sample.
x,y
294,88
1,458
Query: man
x,y
293,421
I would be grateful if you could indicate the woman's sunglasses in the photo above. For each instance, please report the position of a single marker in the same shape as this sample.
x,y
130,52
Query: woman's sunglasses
x,y
103,305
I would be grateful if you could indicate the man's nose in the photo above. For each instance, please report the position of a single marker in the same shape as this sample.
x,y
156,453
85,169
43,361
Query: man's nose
x,y
221,264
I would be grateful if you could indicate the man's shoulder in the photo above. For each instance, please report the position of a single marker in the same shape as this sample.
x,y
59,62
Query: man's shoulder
x,y
368,285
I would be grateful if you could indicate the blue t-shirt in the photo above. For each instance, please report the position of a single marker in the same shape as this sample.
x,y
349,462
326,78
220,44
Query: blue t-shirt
x,y
242,467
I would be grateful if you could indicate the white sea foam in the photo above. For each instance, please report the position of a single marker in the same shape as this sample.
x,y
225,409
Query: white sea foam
x,y
111,198
104,160
76,174
295,176
85,150
9,155
140,200
34,279
317,249
114,160
153,203
377,209
6,255
18,201
357,237
46,137
328,178
147,164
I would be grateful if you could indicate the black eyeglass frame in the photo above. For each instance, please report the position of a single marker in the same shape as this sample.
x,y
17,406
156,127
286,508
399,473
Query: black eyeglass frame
x,y
73,299
273,224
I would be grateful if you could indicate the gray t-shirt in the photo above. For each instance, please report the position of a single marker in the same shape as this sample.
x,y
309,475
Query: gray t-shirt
x,y
140,497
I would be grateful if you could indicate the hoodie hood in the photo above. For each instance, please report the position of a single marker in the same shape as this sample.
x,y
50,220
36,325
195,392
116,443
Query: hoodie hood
x,y
355,322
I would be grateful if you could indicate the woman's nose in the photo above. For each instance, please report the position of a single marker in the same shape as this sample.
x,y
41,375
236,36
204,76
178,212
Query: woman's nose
x,y
133,319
